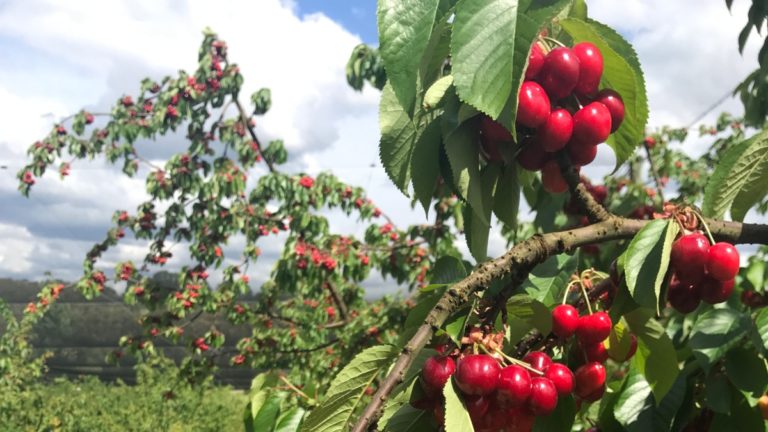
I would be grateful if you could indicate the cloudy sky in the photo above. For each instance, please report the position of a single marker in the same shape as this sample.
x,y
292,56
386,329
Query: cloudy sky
x,y
58,57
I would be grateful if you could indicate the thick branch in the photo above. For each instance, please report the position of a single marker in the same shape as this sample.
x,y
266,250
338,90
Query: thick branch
x,y
517,262
594,211
244,119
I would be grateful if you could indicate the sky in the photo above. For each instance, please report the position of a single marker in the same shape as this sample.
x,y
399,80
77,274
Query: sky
x,y
58,57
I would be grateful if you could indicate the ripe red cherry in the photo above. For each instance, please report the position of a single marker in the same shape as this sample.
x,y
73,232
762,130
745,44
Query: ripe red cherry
x,y
592,123
477,374
519,419
538,360
494,419
689,257
477,406
590,68
615,104
436,372
514,385
595,395
560,72
532,157
561,376
532,105
493,130
543,399
714,291
490,149
723,261
581,153
535,61
631,352
595,352
556,131
594,328
683,296
565,319
588,379
552,179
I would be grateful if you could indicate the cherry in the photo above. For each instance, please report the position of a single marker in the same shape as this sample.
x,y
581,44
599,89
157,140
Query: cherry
x,y
723,261
490,149
599,193
436,372
477,374
714,291
439,413
493,130
535,61
494,419
556,130
538,360
532,105
683,296
592,123
595,395
588,378
615,104
762,403
595,352
477,406
565,319
594,328
632,349
581,153
518,420
560,72
562,377
590,68
649,141
543,399
552,179
689,257
532,157
514,385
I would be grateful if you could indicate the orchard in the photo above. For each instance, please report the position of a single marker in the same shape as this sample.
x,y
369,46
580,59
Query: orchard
x,y
633,302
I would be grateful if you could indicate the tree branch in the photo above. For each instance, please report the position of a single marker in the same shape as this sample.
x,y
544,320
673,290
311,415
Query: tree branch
x,y
594,211
244,119
517,262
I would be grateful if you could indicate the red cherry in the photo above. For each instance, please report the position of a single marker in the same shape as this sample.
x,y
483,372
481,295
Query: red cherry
x,y
562,377
552,179
439,413
632,347
556,130
543,399
535,61
595,395
477,374
490,149
615,104
683,296
493,130
599,193
436,372
532,157
595,352
514,385
477,406
590,68
532,105
592,123
714,291
650,142
723,261
560,72
689,257
493,420
538,360
594,328
565,319
581,153
588,379
518,419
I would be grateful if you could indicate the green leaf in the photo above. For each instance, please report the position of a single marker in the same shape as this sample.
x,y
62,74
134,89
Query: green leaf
x,y
290,420
348,388
405,27
436,92
531,311
398,137
634,406
409,419
547,280
746,370
425,304
647,259
489,48
561,419
463,152
506,200
456,415
619,341
761,324
738,165
621,72
714,333
455,325
476,232
265,418
656,357
718,391
448,269
425,164
262,101
743,417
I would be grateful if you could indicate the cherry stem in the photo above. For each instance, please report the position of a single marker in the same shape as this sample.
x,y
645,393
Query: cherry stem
x,y
586,298
567,290
552,40
519,363
704,224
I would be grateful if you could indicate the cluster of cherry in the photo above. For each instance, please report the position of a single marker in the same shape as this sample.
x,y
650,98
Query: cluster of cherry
x,y
559,107
702,272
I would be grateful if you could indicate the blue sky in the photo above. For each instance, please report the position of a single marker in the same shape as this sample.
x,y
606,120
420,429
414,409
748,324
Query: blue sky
x,y
357,16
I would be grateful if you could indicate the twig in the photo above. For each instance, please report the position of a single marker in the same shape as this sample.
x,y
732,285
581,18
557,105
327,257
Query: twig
x,y
593,209
655,174
244,119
